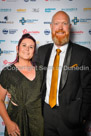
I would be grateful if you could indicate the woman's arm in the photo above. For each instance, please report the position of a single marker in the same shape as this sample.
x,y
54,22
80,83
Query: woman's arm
x,y
11,126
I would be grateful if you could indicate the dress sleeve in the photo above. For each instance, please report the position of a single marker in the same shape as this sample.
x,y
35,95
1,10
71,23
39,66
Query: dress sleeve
x,y
4,78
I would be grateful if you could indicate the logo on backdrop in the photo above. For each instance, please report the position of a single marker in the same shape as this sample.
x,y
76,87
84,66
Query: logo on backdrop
x,y
75,20
47,22
6,62
77,32
23,21
69,9
5,51
1,51
90,31
29,0
6,21
1,133
14,42
35,9
47,32
49,9
2,41
5,10
87,9
83,42
10,31
81,20
33,32
20,10
52,0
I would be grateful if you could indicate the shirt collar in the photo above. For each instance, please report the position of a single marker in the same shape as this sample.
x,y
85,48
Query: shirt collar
x,y
62,48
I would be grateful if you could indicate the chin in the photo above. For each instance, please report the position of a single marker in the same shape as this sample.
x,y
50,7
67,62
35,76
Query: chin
x,y
60,40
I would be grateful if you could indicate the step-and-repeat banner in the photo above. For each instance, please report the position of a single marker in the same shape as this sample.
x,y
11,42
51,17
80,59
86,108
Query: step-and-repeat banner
x,y
34,16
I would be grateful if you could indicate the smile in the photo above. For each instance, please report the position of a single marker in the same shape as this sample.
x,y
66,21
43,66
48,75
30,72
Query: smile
x,y
60,33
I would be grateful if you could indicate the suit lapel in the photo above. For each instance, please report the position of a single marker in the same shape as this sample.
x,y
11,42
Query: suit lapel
x,y
66,63
47,57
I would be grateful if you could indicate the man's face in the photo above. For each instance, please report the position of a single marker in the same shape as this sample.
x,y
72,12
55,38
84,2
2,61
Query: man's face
x,y
60,29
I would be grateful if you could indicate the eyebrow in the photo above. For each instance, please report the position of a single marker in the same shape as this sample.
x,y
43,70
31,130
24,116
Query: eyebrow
x,y
23,43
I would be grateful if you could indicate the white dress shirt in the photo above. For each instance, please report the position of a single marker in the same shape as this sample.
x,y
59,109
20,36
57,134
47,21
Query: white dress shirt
x,y
49,70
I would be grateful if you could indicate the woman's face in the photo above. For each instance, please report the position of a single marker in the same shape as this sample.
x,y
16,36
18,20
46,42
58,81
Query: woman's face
x,y
26,49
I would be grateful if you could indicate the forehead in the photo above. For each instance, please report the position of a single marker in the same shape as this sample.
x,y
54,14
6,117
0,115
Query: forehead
x,y
60,17
27,40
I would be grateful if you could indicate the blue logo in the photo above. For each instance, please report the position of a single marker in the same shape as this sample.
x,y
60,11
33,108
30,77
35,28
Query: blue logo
x,y
6,21
5,31
49,9
47,32
2,41
26,0
83,42
23,21
14,42
1,133
90,31
5,10
47,22
69,9
10,31
1,51
75,20
6,18
5,51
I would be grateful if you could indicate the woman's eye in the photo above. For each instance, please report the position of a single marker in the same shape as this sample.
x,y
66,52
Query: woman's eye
x,y
31,46
24,45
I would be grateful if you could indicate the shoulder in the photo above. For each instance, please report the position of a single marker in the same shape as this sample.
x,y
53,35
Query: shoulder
x,y
7,69
80,47
80,50
46,46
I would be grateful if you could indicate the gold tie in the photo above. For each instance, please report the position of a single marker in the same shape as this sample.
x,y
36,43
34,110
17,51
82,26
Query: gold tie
x,y
53,90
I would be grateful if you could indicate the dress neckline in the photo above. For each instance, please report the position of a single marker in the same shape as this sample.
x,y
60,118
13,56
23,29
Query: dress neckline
x,y
24,75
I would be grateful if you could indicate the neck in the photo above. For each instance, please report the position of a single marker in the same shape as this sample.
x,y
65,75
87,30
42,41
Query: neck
x,y
24,63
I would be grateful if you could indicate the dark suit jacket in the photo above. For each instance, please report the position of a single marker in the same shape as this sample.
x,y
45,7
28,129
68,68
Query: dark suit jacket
x,y
75,85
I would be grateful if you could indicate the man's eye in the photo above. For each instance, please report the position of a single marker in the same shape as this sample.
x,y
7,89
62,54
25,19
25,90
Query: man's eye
x,y
65,23
56,23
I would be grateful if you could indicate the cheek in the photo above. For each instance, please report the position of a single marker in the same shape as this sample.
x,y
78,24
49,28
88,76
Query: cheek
x,y
20,49
67,29
32,52
54,29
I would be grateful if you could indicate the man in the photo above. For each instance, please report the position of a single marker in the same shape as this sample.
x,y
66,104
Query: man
x,y
66,115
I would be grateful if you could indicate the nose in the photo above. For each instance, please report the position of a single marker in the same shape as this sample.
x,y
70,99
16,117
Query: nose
x,y
61,26
27,48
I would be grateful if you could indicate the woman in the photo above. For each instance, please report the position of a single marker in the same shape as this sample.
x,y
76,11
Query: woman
x,y
23,81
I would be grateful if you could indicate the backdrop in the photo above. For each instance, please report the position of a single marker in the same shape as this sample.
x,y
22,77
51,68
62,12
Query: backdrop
x,y
34,16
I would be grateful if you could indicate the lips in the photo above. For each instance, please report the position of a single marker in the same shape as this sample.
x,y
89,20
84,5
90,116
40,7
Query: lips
x,y
59,32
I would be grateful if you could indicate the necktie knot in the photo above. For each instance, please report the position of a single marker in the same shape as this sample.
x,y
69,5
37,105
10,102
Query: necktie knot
x,y
58,51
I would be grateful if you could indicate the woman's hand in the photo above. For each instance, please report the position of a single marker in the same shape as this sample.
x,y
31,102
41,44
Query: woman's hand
x,y
13,129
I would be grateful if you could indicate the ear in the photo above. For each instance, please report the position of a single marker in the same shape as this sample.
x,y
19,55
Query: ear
x,y
70,26
51,25
17,48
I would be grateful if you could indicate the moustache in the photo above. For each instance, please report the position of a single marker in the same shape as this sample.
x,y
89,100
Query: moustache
x,y
60,31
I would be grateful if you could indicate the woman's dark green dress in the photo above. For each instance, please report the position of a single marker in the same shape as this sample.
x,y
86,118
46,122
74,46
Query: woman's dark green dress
x,y
26,94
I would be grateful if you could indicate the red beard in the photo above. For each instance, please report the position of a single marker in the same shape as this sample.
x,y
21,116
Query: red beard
x,y
60,39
